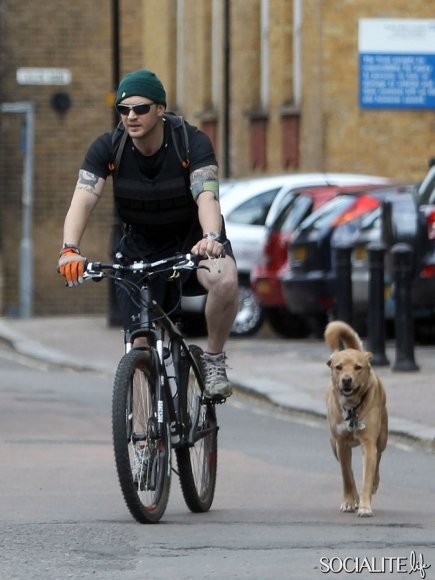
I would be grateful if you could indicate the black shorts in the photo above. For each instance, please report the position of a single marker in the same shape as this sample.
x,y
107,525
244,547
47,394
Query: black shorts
x,y
166,292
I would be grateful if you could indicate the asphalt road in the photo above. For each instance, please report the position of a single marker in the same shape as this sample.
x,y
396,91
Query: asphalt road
x,y
275,513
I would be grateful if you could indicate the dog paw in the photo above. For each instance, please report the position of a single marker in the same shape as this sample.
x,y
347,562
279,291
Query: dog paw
x,y
348,507
365,512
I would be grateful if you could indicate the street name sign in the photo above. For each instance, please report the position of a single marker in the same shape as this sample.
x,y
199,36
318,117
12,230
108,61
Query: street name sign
x,y
43,76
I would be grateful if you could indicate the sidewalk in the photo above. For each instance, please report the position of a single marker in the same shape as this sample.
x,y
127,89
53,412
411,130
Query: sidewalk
x,y
292,374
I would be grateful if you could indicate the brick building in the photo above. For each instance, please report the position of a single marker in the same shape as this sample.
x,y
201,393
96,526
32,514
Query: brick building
x,y
274,83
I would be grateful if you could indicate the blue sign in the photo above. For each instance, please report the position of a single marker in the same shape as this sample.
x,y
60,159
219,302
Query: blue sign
x,y
397,64
397,81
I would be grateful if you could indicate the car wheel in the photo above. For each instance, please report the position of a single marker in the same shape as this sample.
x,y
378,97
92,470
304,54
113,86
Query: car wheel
x,y
250,316
286,324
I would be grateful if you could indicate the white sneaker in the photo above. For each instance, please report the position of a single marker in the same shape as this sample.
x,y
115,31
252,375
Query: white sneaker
x,y
216,383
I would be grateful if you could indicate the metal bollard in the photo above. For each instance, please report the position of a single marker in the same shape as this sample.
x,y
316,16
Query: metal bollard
x,y
404,323
343,294
376,304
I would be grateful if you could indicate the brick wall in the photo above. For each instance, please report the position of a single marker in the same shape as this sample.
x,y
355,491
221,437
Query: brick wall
x,y
341,136
79,40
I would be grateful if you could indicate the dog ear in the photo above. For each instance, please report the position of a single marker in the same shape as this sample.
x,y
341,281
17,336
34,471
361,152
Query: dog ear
x,y
369,356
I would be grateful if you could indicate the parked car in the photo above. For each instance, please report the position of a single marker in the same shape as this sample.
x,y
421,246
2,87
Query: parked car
x,y
424,282
402,219
359,233
245,205
309,283
295,207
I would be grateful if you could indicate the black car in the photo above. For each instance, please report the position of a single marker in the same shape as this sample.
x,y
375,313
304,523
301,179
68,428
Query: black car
x,y
423,283
309,285
402,217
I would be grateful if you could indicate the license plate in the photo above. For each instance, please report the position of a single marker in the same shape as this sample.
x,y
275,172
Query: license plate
x,y
388,292
299,254
360,253
264,287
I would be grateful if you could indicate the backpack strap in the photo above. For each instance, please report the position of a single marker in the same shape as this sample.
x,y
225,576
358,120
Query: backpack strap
x,y
175,121
118,145
184,158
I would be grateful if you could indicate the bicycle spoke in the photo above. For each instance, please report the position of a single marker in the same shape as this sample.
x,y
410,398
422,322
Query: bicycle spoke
x,y
197,461
142,450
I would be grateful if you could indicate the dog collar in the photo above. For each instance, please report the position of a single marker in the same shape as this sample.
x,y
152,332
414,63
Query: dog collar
x,y
352,421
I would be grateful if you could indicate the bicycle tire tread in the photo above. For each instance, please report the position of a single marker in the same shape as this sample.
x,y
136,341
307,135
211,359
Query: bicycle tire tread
x,y
195,502
126,368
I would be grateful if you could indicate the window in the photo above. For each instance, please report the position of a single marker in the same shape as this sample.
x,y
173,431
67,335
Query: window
x,y
294,212
426,191
253,211
325,215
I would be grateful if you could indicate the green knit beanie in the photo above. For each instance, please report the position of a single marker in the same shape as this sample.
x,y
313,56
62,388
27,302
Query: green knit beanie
x,y
141,83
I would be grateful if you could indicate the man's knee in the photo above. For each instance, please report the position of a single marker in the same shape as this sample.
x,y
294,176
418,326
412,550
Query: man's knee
x,y
227,282
223,281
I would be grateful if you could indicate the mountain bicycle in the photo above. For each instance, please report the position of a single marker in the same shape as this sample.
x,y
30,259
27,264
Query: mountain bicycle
x,y
158,402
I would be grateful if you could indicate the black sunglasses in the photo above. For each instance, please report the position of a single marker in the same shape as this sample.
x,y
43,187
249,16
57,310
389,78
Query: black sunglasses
x,y
141,109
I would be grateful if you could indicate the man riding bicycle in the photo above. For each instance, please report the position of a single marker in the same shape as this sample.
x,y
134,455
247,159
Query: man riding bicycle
x,y
168,202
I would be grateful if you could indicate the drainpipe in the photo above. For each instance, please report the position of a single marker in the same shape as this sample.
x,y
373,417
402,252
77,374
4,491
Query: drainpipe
x,y
264,55
116,51
297,53
180,72
227,90
26,244
114,318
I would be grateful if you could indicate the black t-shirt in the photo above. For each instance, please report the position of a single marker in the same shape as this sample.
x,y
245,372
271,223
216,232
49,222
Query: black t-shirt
x,y
100,154
153,239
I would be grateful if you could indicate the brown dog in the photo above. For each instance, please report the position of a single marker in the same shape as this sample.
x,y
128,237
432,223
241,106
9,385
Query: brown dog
x,y
357,414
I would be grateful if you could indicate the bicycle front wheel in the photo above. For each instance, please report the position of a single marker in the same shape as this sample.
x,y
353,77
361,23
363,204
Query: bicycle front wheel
x,y
141,444
197,459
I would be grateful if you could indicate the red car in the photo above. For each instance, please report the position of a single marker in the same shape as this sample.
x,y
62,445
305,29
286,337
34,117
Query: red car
x,y
264,277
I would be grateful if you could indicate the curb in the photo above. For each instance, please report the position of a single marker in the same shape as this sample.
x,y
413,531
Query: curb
x,y
37,351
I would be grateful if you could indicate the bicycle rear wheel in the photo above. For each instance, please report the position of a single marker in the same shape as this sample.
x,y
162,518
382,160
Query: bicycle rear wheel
x,y
142,450
197,461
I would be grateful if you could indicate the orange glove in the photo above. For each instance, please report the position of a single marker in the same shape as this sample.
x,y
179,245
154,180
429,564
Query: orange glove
x,y
71,266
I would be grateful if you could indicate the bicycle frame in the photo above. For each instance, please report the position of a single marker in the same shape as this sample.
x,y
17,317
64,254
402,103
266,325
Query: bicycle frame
x,y
155,325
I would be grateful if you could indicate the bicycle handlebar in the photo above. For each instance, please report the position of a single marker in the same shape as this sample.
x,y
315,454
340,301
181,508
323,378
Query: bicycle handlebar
x,y
96,270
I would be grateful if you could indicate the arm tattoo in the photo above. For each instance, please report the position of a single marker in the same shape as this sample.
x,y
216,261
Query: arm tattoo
x,y
207,173
204,179
87,181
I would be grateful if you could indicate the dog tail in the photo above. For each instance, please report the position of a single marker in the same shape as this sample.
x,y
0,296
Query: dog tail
x,y
339,334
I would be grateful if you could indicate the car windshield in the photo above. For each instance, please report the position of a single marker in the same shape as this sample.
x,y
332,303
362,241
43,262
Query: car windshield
x,y
347,232
426,190
325,215
296,208
254,210
371,220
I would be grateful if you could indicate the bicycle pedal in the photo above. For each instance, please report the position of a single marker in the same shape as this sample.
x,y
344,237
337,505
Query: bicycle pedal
x,y
216,400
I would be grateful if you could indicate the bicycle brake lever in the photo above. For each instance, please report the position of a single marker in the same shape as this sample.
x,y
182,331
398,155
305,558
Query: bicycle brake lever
x,y
189,263
94,276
